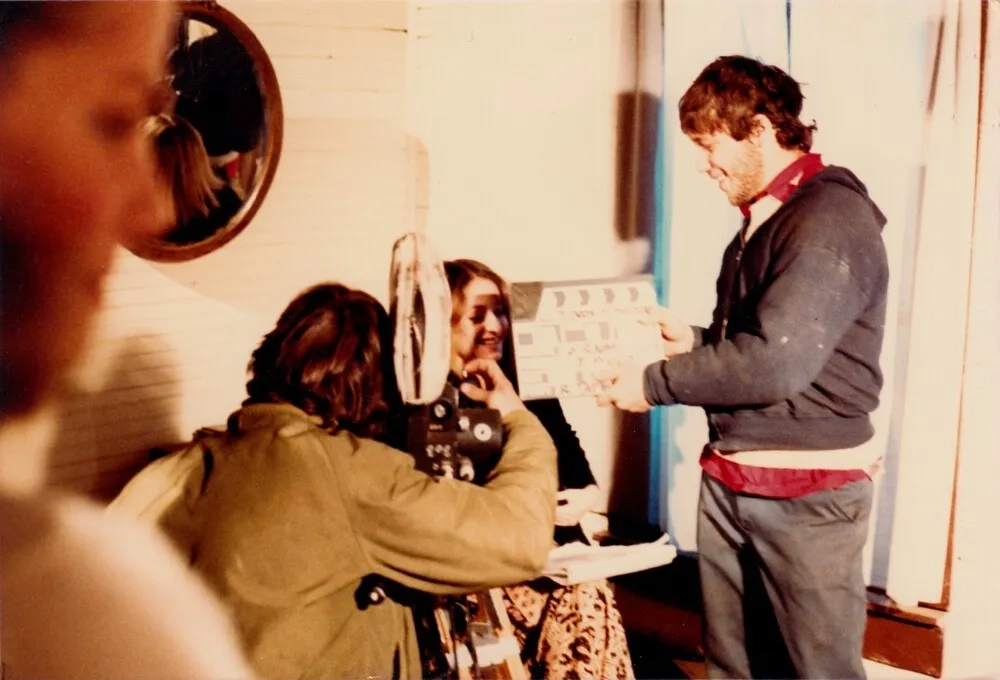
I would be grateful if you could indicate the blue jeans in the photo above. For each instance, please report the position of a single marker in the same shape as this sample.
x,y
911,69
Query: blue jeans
x,y
782,583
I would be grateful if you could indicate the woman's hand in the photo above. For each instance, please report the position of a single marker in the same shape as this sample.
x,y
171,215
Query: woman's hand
x,y
498,392
574,504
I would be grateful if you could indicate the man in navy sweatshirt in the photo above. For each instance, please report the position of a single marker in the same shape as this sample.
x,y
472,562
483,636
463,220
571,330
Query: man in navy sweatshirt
x,y
788,373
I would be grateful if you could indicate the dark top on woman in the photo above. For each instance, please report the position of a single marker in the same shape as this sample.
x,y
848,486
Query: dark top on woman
x,y
574,470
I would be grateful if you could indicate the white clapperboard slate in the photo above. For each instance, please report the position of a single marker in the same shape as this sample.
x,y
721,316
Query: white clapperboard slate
x,y
567,332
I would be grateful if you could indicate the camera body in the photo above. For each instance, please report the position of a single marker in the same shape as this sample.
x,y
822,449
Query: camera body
x,y
450,441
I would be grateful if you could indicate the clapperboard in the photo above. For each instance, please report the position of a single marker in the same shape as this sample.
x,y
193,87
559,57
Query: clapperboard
x,y
567,332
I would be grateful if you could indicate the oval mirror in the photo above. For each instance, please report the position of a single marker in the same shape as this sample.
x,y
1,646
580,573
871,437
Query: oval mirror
x,y
217,146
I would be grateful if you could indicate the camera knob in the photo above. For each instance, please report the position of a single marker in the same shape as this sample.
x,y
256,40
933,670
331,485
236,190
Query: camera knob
x,y
440,411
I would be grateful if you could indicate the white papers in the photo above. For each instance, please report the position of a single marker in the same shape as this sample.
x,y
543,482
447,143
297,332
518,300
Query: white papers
x,y
593,523
576,562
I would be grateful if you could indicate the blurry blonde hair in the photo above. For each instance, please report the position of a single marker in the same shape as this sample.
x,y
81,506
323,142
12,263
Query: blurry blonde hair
x,y
184,164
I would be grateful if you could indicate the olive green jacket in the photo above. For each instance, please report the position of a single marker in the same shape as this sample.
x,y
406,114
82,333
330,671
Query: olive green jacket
x,y
286,521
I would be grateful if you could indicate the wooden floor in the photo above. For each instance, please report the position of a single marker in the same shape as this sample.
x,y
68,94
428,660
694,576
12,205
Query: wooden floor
x,y
661,611
662,623
652,660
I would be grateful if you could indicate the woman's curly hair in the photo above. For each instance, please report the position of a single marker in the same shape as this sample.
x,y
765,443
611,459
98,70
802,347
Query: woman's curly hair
x,y
329,355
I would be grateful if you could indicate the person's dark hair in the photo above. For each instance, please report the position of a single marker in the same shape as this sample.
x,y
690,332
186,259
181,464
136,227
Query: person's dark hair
x,y
18,17
731,90
24,375
329,355
460,274
13,12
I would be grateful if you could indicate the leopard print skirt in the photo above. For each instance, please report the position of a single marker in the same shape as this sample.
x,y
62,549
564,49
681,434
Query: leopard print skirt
x,y
569,633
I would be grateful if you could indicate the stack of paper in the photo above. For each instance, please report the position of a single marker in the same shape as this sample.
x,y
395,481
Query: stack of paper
x,y
576,562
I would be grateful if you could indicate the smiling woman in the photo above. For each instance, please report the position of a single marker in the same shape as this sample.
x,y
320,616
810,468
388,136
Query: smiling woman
x,y
555,627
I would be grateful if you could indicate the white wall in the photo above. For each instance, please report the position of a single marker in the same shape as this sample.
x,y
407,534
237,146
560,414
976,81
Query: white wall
x,y
516,105
973,627
870,108
489,125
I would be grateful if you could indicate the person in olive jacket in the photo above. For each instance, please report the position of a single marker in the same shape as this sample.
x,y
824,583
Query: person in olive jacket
x,y
299,502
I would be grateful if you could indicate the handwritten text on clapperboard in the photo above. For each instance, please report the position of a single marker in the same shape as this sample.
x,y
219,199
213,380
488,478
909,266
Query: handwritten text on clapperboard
x,y
566,334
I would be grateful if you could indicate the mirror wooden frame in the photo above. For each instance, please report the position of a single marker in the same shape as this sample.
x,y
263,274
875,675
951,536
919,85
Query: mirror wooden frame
x,y
219,18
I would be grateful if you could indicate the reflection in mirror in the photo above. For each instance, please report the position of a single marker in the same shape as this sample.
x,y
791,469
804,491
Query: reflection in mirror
x,y
197,197
217,148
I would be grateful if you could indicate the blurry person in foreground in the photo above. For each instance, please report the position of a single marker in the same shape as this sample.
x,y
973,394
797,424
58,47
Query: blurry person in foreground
x,y
84,595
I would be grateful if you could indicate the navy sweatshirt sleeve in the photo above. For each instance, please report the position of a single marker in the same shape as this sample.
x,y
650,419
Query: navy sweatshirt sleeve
x,y
702,335
818,288
574,470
